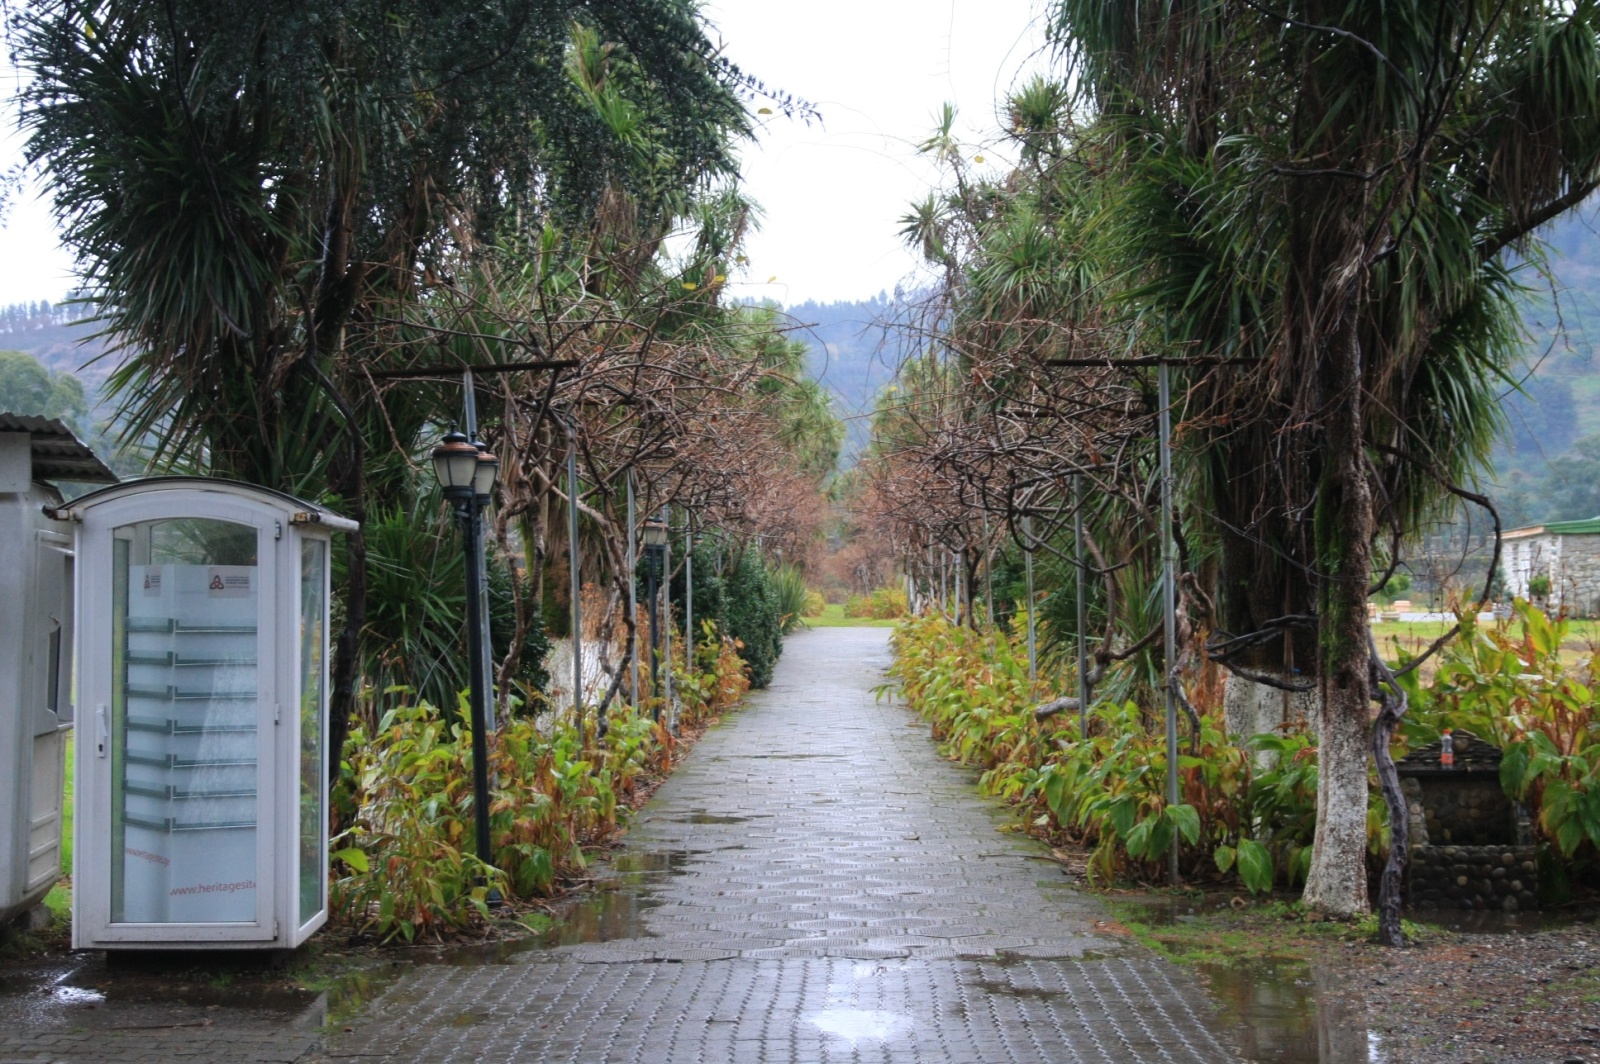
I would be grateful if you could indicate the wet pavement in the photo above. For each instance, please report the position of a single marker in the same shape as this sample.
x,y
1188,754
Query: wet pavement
x,y
815,884
79,1011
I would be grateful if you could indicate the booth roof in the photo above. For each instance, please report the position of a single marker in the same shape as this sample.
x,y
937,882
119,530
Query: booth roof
x,y
309,512
58,454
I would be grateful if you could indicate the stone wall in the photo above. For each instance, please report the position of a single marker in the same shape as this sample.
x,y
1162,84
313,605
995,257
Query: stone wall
x,y
1465,811
1576,584
1502,878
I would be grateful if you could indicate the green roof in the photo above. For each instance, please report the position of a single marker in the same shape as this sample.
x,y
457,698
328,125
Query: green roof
x,y
1574,528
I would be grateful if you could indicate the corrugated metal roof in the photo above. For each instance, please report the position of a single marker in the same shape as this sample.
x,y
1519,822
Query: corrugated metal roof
x,y
1588,526
58,454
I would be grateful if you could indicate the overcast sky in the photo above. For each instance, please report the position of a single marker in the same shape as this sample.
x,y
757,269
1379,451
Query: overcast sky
x,y
831,192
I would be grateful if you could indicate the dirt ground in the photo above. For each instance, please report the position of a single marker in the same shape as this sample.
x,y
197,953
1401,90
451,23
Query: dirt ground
x,y
1486,997
1510,990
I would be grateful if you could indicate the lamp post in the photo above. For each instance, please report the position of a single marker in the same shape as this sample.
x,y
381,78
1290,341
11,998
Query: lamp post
x,y
655,546
468,476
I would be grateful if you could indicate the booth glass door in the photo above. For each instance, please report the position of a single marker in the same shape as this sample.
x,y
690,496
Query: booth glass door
x,y
187,723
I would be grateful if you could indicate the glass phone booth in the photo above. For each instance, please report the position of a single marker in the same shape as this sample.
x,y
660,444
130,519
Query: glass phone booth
x,y
203,685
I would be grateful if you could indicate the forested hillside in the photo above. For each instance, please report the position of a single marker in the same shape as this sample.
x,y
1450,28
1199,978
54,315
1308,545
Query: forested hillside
x,y
59,335
854,349
1548,465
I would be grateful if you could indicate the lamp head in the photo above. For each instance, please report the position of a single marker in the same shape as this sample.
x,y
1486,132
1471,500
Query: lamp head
x,y
455,464
485,475
654,533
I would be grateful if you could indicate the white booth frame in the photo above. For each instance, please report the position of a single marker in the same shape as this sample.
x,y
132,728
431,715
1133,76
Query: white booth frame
x,y
277,712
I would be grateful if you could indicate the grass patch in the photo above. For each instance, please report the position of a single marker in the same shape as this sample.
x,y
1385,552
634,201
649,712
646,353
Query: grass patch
x,y
59,900
1217,934
1413,637
832,616
66,812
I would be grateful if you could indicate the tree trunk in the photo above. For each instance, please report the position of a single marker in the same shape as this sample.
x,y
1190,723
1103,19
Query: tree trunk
x,y
1337,883
1252,708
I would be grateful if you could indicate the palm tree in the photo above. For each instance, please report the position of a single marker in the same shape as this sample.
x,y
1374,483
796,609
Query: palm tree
x,y
1330,186
260,191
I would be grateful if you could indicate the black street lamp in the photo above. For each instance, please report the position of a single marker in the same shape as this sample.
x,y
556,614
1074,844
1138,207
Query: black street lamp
x,y
655,546
467,473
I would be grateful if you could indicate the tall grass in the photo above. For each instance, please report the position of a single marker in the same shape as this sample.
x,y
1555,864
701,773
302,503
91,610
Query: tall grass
x,y
790,585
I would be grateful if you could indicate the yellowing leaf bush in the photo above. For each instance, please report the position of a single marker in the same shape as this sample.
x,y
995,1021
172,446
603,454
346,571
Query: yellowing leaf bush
x,y
1107,791
405,866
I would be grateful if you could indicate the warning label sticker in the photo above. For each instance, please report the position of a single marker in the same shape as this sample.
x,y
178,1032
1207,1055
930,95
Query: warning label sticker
x,y
229,582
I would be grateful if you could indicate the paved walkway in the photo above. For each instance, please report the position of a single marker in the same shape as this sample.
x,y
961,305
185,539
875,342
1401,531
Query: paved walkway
x,y
814,885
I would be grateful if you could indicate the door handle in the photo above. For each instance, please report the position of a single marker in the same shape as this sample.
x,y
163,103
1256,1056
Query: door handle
x,y
102,732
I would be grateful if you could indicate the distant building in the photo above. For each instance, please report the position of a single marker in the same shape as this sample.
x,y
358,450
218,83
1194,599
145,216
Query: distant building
x,y
1567,552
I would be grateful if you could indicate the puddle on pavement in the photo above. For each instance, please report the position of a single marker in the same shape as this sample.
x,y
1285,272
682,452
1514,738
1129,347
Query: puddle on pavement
x,y
705,816
606,916
81,990
1281,1010
671,861
1001,988
858,1026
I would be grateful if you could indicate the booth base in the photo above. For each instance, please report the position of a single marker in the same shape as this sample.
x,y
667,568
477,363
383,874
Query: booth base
x,y
181,960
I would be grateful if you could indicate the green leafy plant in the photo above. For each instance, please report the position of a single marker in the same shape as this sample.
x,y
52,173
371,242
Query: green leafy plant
x,y
1508,684
406,866
1107,790
790,591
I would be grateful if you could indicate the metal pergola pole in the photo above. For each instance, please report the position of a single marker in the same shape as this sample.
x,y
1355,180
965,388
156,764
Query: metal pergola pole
x,y
1027,566
960,576
952,563
652,583
633,594
1169,596
577,583
688,587
479,691
988,569
1083,610
944,583
666,619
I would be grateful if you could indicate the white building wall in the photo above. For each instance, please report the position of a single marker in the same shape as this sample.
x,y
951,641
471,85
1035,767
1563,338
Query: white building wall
x,y
35,634
1579,583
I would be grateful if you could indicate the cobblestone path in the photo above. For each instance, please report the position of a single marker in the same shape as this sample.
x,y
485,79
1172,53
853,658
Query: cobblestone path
x,y
814,885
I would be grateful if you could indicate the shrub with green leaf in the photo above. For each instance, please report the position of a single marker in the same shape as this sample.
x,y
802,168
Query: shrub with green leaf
x,y
405,866
751,614
789,589
1107,791
738,592
407,853
1507,684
